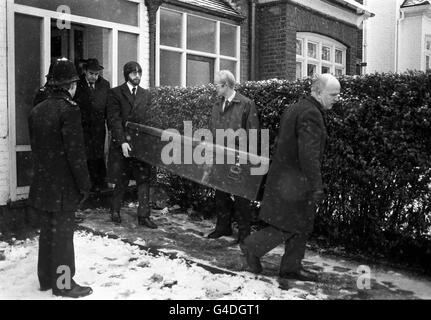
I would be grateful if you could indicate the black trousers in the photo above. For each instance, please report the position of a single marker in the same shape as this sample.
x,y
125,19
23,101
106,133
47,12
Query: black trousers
x,y
55,246
228,209
263,241
97,171
141,173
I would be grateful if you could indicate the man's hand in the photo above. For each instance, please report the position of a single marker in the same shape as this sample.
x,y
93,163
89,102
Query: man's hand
x,y
318,196
85,195
126,149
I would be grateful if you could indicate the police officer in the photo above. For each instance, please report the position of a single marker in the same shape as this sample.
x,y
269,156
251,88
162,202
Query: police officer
x,y
91,96
60,182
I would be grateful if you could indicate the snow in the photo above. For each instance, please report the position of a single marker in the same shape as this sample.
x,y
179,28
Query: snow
x,y
117,270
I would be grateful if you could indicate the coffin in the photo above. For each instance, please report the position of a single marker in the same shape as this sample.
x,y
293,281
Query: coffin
x,y
147,145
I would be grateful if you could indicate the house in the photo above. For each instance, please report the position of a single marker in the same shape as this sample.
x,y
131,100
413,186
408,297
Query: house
x,y
398,38
177,42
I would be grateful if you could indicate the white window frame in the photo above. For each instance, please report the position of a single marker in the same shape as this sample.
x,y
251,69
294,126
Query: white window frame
x,y
321,41
19,193
217,56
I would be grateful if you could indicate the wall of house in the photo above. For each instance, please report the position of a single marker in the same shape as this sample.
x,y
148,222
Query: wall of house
x,y
410,38
278,23
381,35
243,7
4,141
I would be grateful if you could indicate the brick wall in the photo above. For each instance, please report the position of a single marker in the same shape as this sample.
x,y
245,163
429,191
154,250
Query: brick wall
x,y
4,152
278,24
243,7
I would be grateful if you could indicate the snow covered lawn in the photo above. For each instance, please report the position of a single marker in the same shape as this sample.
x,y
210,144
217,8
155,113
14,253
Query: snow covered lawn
x,y
117,270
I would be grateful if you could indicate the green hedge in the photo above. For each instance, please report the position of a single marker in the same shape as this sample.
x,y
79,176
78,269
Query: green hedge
x,y
377,163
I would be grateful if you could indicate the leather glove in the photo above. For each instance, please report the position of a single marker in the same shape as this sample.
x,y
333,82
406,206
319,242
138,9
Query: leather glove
x,y
85,194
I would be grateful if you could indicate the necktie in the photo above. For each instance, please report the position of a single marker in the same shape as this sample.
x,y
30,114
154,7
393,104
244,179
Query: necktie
x,y
92,86
133,94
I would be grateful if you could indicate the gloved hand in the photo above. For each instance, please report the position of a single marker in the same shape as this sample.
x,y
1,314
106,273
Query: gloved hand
x,y
85,194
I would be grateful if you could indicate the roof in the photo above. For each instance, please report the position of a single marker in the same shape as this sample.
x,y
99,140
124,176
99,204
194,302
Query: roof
x,y
220,7
413,3
356,6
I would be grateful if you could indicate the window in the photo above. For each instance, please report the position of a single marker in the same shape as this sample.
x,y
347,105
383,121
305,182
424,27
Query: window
x,y
191,48
427,52
322,55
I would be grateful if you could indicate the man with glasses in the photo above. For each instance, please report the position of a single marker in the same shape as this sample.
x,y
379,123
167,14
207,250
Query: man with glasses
x,y
128,102
232,111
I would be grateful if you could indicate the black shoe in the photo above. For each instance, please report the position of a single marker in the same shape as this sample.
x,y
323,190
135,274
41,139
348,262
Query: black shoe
x,y
219,233
302,275
115,217
146,221
76,291
253,262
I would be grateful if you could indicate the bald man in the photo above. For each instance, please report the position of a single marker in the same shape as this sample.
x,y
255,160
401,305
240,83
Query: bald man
x,y
294,182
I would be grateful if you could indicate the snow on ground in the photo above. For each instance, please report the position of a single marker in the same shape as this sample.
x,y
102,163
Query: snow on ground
x,y
117,270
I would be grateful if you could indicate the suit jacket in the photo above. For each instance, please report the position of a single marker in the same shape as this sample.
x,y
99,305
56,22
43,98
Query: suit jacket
x,y
240,113
122,108
93,113
59,161
295,169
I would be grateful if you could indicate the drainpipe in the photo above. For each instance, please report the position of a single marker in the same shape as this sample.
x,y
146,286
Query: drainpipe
x,y
397,39
253,40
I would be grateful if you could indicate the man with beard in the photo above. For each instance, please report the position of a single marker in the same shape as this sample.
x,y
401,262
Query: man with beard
x,y
128,102
60,182
294,183
91,96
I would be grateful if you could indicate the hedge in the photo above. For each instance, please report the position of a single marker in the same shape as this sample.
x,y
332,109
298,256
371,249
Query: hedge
x,y
376,166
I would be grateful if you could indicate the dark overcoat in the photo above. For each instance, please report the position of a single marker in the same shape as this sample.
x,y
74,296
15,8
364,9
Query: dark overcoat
x,y
295,173
93,112
59,161
122,108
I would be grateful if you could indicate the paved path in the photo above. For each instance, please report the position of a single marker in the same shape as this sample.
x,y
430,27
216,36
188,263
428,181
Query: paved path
x,y
179,235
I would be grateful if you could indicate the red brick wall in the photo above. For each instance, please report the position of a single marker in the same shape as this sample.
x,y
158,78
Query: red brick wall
x,y
277,27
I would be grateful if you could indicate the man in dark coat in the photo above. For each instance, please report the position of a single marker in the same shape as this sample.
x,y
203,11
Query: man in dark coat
x,y
60,180
294,182
232,111
91,96
128,102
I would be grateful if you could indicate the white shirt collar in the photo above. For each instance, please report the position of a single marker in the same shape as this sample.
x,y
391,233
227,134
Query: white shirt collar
x,y
131,87
232,96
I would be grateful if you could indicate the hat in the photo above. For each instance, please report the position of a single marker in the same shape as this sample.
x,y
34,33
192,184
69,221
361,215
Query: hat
x,y
93,64
63,72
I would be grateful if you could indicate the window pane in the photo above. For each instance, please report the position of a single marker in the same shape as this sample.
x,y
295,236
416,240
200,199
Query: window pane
x,y
119,11
312,50
170,28
27,71
298,70
338,56
339,72
326,53
311,70
326,69
227,40
427,62
201,34
200,70
170,68
24,168
428,44
127,51
299,47
228,65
